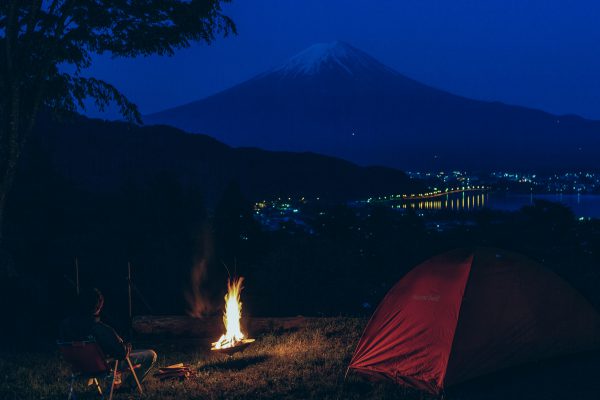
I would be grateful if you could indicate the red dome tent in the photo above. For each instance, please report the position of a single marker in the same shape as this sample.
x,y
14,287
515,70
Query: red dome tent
x,y
470,312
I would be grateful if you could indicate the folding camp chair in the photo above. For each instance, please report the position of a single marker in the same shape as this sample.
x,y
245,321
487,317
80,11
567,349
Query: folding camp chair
x,y
88,362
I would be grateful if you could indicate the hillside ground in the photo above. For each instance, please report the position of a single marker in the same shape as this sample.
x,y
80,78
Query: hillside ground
x,y
305,364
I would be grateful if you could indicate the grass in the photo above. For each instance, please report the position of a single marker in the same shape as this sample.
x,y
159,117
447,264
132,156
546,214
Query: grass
x,y
305,364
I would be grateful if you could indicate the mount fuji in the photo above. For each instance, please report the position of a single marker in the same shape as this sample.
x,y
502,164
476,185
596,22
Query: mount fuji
x,y
337,100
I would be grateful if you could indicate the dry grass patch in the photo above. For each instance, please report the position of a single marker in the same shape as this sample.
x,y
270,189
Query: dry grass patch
x,y
306,364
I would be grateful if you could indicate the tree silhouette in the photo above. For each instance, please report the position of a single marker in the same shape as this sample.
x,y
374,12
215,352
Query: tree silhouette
x,y
42,40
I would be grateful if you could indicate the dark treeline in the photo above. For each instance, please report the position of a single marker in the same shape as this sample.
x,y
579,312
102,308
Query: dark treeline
x,y
181,250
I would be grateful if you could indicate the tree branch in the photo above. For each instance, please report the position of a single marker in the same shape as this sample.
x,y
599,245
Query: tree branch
x,y
11,23
36,6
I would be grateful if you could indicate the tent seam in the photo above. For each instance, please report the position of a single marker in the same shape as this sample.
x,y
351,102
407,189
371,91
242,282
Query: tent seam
x,y
442,382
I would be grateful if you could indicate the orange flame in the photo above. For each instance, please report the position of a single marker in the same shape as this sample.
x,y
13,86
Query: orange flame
x,y
231,318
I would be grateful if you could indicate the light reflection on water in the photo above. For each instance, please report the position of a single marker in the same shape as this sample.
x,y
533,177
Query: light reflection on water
x,y
455,202
587,205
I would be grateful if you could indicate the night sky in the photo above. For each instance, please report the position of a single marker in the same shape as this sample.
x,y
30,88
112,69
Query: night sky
x,y
542,54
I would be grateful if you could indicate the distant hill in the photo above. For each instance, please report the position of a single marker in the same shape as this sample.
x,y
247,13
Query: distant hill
x,y
102,155
335,99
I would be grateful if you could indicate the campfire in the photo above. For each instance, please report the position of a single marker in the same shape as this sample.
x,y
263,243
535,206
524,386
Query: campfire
x,y
233,339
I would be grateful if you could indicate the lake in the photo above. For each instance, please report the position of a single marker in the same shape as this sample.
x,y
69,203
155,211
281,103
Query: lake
x,y
585,205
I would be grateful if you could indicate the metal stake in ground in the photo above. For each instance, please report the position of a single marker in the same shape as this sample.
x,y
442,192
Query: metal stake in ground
x,y
77,275
129,298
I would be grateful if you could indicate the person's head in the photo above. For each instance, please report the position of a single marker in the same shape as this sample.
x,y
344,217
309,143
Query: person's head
x,y
90,302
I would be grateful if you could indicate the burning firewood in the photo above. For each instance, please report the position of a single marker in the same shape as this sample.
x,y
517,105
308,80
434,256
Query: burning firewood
x,y
233,336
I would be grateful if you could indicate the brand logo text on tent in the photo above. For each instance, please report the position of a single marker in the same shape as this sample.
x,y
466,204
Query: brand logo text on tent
x,y
426,297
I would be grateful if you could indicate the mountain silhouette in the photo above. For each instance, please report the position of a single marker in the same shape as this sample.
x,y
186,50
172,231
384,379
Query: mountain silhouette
x,y
337,100
103,156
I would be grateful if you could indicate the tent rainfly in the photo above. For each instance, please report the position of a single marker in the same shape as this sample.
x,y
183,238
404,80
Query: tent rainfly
x,y
467,313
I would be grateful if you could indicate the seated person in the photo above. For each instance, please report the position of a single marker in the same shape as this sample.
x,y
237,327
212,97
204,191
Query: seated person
x,y
86,323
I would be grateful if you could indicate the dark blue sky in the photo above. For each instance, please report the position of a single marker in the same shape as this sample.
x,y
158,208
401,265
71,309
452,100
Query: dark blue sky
x,y
543,54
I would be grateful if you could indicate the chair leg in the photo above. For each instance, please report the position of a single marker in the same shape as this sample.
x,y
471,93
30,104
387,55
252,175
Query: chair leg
x,y
98,387
114,378
137,381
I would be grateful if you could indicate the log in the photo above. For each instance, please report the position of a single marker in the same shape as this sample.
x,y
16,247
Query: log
x,y
212,327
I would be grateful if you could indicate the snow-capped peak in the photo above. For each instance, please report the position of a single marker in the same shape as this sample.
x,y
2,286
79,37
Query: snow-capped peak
x,y
338,55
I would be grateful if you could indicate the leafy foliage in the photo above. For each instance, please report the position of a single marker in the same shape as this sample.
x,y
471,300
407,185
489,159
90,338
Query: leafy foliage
x,y
42,37
46,45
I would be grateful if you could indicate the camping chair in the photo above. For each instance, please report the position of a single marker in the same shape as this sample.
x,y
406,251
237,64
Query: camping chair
x,y
88,362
